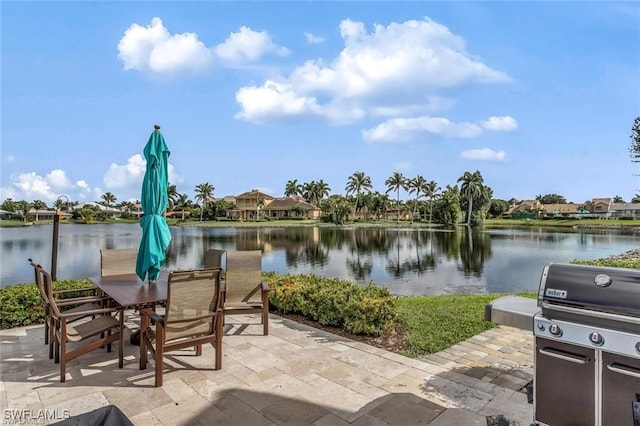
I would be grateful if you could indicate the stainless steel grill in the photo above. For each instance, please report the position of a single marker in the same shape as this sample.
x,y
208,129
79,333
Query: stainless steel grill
x,y
586,323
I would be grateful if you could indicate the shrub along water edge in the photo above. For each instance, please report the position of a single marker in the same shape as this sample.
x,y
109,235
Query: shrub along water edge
x,y
431,323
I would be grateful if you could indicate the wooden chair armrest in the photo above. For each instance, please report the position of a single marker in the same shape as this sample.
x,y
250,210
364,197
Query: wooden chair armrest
x,y
73,290
152,314
90,312
79,300
264,286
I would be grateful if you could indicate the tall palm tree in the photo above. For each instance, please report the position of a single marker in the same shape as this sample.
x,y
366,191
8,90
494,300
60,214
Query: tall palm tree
x,y
204,194
431,190
172,195
396,182
292,188
322,190
260,203
38,205
471,187
313,192
182,202
356,184
417,185
108,199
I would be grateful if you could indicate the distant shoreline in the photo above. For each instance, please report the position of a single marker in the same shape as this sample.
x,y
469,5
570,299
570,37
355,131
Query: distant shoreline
x,y
626,226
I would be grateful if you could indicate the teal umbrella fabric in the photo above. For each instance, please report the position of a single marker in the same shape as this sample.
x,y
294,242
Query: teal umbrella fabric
x,y
155,231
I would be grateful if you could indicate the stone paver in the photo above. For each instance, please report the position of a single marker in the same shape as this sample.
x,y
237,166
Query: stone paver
x,y
296,375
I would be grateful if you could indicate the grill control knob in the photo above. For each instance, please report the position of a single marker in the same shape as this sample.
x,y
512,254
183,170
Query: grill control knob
x,y
596,338
541,327
555,330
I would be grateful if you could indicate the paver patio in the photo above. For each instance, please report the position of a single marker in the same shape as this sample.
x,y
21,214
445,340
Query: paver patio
x,y
298,375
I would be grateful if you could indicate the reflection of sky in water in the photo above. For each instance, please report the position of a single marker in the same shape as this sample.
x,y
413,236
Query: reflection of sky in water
x,y
407,261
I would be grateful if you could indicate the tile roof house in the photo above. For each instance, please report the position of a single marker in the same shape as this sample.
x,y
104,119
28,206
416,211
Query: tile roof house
x,y
560,209
625,210
291,208
248,205
599,206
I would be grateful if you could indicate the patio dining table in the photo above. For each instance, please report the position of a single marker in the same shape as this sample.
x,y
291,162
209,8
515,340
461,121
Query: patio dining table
x,y
130,292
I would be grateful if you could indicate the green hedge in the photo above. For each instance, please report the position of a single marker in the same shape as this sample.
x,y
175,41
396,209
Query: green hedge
x,y
340,303
20,304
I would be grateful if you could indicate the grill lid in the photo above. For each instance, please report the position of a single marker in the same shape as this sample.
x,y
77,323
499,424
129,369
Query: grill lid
x,y
583,288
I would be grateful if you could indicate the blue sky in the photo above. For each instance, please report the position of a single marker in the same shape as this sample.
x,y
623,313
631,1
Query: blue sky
x,y
539,97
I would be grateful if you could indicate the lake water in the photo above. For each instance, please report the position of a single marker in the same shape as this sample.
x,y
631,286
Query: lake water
x,y
408,261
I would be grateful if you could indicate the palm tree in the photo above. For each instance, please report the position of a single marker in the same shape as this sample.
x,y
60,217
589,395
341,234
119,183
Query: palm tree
x,y
182,202
417,185
322,190
292,188
313,192
108,199
356,184
618,199
204,194
260,203
172,195
396,182
431,190
472,187
38,205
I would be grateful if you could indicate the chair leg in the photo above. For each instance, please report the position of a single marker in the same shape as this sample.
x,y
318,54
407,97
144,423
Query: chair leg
x,y
265,321
159,363
198,350
144,324
121,341
63,360
46,330
218,343
51,326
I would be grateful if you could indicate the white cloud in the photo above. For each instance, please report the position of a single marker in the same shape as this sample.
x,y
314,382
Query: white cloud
x,y
32,186
83,185
247,45
127,175
396,64
154,50
313,39
125,180
58,179
405,129
500,124
485,154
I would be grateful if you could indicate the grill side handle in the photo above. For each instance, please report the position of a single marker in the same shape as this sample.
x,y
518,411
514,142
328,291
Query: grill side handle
x,y
589,313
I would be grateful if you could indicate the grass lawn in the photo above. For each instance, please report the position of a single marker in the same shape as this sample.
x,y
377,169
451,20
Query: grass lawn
x,y
434,323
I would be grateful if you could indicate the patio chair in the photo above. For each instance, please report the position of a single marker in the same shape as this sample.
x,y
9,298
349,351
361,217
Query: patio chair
x,y
118,261
213,258
67,304
76,338
190,319
243,290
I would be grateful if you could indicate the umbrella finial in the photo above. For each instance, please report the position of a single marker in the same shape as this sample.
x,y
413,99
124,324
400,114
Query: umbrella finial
x,y
156,126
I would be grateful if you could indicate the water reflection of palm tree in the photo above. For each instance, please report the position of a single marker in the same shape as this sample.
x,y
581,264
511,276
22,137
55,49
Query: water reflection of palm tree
x,y
359,244
475,249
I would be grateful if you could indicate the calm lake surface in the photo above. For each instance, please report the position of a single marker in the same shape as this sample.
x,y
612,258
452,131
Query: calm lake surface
x,y
406,260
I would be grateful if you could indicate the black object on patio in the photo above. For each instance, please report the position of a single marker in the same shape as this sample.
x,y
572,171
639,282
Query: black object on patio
x,y
104,416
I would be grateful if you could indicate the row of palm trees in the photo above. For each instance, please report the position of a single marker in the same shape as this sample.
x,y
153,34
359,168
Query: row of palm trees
x,y
358,189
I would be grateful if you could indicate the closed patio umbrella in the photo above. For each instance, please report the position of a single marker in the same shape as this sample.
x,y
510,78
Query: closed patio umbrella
x,y
155,231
